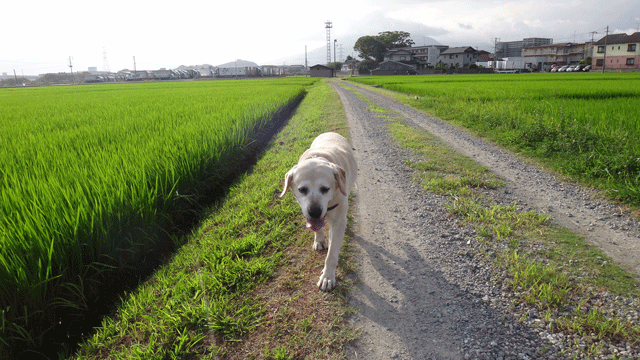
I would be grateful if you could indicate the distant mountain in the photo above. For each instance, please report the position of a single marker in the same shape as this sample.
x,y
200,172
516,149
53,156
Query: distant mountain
x,y
239,63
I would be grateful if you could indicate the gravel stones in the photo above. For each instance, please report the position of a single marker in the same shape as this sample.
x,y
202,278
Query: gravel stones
x,y
422,292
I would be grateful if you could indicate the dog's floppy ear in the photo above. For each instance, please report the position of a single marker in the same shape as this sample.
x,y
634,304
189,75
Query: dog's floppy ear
x,y
341,179
288,178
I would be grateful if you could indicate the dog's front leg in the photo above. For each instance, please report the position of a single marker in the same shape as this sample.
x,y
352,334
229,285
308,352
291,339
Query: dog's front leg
x,y
336,236
319,242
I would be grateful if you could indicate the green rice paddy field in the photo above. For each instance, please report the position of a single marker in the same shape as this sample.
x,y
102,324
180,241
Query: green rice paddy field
x,y
92,177
585,125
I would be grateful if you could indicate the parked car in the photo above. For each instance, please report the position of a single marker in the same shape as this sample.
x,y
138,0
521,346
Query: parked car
x,y
586,68
563,68
578,67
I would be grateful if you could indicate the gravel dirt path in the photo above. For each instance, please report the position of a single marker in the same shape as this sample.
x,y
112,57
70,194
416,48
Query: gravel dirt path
x,y
420,292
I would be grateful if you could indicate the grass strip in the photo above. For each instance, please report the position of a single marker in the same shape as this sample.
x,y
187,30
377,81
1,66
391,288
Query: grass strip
x,y
549,267
243,286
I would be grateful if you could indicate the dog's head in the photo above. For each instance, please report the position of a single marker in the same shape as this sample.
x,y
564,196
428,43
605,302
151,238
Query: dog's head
x,y
314,183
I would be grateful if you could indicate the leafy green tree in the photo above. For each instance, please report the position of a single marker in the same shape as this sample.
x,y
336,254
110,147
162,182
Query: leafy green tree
x,y
365,66
374,47
395,39
370,48
336,65
15,82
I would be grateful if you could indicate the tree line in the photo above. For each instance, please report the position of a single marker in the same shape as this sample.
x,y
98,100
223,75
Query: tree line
x,y
372,48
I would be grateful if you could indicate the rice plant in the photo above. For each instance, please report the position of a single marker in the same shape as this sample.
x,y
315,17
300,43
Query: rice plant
x,y
91,176
585,125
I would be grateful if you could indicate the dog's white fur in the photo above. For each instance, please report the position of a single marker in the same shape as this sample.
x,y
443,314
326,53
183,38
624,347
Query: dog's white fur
x,y
324,177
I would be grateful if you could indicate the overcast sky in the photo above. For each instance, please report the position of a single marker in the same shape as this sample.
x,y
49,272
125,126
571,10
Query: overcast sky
x,y
39,36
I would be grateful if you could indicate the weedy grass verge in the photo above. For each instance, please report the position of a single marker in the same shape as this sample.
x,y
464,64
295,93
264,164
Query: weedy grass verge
x,y
243,286
548,267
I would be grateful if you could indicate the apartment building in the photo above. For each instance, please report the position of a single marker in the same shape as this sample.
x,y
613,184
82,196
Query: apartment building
x,y
544,56
514,48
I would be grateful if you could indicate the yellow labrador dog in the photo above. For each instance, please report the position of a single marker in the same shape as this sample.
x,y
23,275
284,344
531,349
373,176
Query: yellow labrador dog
x,y
321,183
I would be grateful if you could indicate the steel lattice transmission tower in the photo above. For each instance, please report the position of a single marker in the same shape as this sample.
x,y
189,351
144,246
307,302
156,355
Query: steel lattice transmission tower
x,y
328,26
105,63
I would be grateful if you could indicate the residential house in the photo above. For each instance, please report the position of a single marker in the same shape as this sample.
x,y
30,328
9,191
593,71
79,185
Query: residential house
x,y
406,57
459,57
428,54
484,55
617,51
392,67
399,62
543,56
351,64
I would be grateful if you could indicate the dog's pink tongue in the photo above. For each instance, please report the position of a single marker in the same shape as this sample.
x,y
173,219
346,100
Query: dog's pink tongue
x,y
314,224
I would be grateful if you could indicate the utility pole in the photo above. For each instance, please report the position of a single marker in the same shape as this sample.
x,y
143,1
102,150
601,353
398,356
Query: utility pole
x,y
495,52
71,67
15,76
306,67
334,49
135,72
604,61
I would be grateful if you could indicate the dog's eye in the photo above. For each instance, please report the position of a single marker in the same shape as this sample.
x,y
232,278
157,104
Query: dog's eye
x,y
303,190
324,190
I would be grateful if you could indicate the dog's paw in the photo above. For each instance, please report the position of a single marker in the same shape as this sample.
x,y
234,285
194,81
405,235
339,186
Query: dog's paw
x,y
318,246
326,283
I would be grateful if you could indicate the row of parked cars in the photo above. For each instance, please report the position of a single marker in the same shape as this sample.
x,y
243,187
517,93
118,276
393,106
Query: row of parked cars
x,y
570,68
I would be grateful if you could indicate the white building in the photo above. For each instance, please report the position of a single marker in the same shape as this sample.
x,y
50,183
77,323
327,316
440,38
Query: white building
x,y
428,53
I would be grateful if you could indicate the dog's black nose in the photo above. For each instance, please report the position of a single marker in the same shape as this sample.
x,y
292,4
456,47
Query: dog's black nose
x,y
315,212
